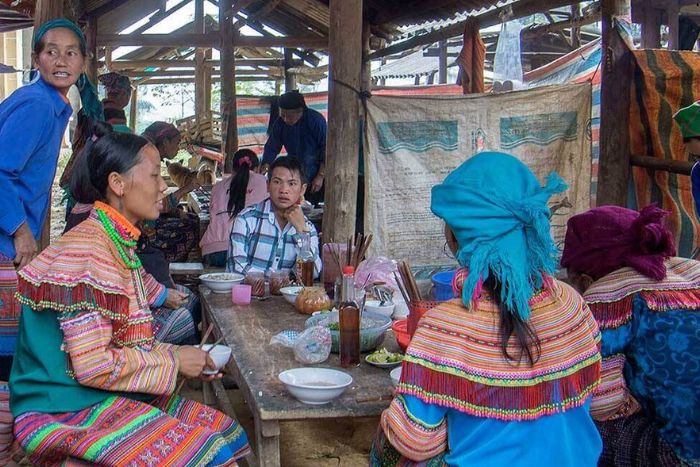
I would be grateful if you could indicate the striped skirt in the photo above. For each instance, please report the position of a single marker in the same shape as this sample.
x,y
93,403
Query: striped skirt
x,y
383,454
178,325
171,431
9,308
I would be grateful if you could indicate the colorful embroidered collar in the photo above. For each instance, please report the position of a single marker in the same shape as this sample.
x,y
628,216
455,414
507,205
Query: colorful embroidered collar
x,y
455,359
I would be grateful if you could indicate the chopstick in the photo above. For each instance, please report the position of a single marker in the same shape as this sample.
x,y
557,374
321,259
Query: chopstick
x,y
210,328
401,289
409,281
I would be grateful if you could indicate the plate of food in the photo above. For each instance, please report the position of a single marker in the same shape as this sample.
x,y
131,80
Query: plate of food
x,y
384,359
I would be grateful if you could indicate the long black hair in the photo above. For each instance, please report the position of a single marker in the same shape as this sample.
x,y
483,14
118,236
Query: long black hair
x,y
511,324
244,160
106,152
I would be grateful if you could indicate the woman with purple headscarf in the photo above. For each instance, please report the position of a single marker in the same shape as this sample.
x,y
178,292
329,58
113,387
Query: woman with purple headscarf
x,y
646,302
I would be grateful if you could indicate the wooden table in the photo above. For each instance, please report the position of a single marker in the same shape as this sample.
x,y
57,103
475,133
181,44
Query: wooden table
x,y
255,365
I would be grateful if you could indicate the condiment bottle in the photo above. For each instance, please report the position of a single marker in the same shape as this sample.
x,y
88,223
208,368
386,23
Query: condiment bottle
x,y
306,260
349,320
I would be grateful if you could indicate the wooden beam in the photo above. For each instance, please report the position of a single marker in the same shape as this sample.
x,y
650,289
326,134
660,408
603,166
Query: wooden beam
x,y
229,39
345,64
306,56
193,73
132,64
617,71
207,40
655,163
107,7
266,8
159,40
577,23
489,18
215,79
160,16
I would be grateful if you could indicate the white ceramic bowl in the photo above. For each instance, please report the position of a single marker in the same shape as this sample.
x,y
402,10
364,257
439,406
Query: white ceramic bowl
x,y
290,293
221,282
395,375
220,354
374,306
315,386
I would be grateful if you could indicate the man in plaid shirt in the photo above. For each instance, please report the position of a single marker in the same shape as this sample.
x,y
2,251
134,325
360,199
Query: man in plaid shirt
x,y
267,236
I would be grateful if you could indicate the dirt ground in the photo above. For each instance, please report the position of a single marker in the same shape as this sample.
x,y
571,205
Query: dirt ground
x,y
311,443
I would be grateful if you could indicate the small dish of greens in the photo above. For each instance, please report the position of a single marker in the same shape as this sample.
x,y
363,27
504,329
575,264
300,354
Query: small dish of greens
x,y
384,359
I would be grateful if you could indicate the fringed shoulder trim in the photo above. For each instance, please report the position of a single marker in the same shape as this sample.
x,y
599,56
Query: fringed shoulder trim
x,y
79,271
611,298
455,359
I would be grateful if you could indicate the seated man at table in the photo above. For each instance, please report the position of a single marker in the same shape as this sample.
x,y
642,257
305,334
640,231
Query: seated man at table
x,y
269,236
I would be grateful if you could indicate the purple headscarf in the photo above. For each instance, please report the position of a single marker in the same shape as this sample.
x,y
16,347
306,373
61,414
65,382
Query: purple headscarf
x,y
604,239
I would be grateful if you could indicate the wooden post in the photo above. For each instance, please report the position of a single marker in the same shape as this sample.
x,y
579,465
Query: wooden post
x,y
442,62
207,81
366,63
345,66
200,77
614,168
229,123
91,37
290,79
45,10
575,30
134,109
673,12
651,28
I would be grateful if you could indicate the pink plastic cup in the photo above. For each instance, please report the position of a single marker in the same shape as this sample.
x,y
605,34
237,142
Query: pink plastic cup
x,y
240,294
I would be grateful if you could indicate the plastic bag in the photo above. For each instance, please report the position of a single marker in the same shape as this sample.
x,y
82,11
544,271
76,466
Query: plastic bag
x,y
376,269
310,346
507,65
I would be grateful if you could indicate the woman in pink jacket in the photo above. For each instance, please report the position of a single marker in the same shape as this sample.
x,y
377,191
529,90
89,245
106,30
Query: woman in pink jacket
x,y
242,188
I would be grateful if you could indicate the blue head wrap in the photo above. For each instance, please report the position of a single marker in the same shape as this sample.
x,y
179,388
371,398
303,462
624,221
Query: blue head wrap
x,y
88,95
498,213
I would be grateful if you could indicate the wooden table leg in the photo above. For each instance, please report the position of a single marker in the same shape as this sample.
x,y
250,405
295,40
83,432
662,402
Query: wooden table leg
x,y
267,436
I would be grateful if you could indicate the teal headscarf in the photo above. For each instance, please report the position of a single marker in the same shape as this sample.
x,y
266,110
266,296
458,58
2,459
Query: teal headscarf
x,y
498,212
92,106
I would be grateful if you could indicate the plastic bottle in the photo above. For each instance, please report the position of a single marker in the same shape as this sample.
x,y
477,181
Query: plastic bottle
x,y
349,320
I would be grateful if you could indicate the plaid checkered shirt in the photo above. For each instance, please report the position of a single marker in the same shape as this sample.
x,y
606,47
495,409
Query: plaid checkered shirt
x,y
258,243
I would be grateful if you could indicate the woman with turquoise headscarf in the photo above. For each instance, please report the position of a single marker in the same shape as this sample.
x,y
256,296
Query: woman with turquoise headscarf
x,y
32,123
502,375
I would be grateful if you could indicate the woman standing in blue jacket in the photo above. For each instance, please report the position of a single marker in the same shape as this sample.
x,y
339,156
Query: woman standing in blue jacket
x,y
32,123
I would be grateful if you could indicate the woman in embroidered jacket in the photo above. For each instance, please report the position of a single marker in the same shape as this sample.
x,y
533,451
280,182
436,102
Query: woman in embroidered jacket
x,y
647,304
89,381
502,376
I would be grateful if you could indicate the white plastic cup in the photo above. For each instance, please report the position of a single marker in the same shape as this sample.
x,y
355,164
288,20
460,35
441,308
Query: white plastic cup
x,y
240,294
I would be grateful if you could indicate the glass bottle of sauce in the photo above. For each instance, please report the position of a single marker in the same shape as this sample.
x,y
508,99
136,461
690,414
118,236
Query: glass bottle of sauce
x,y
349,320
305,260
